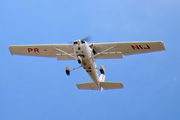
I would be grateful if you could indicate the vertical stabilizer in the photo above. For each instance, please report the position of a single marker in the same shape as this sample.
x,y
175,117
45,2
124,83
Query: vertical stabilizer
x,y
102,78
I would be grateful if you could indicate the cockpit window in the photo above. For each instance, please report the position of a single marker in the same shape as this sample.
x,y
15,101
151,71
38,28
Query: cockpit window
x,y
82,41
75,43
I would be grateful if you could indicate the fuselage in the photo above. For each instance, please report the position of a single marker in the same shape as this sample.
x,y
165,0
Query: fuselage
x,y
84,56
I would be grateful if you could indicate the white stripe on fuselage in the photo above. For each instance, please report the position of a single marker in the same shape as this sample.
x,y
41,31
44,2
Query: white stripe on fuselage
x,y
88,64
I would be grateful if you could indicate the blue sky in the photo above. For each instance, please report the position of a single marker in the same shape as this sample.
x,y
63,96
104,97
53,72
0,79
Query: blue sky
x,y
38,88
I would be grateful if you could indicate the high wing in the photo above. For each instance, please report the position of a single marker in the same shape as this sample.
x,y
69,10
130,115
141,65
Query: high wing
x,y
104,50
45,51
126,48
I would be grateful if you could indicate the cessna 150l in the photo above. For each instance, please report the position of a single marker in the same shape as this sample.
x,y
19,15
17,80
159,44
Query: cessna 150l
x,y
86,54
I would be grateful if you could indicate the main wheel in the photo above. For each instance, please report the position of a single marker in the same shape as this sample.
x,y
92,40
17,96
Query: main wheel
x,y
102,70
67,71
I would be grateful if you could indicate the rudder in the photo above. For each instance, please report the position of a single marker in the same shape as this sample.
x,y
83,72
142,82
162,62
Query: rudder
x,y
102,78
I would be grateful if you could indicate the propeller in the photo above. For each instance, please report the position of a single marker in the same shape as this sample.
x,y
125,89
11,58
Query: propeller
x,y
87,39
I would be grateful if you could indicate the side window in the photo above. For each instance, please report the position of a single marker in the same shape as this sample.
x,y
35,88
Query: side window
x,y
94,52
83,56
82,41
75,43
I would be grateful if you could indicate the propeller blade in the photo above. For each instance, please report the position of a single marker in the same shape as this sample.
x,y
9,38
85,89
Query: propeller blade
x,y
87,39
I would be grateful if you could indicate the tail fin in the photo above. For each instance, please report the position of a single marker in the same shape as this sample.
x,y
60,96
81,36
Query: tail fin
x,y
105,85
108,85
102,78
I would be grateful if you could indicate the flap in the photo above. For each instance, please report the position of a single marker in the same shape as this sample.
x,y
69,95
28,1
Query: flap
x,y
110,55
65,57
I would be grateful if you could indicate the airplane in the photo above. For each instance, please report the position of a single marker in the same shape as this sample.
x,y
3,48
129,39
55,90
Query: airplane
x,y
85,54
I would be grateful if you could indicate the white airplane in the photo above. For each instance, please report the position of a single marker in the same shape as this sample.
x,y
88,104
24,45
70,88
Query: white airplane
x,y
86,54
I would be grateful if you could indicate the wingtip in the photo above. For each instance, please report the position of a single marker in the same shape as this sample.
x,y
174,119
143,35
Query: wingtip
x,y
164,46
10,49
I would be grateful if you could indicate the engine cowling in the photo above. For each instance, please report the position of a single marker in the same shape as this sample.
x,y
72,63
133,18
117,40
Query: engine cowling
x,y
102,70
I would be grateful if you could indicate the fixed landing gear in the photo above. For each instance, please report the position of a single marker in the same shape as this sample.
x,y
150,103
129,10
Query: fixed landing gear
x,y
102,70
68,70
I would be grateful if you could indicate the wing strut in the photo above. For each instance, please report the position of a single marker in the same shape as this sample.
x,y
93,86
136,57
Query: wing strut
x,y
103,51
76,68
64,52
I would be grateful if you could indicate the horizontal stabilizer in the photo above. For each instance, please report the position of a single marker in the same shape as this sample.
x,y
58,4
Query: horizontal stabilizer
x,y
111,85
87,86
105,85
